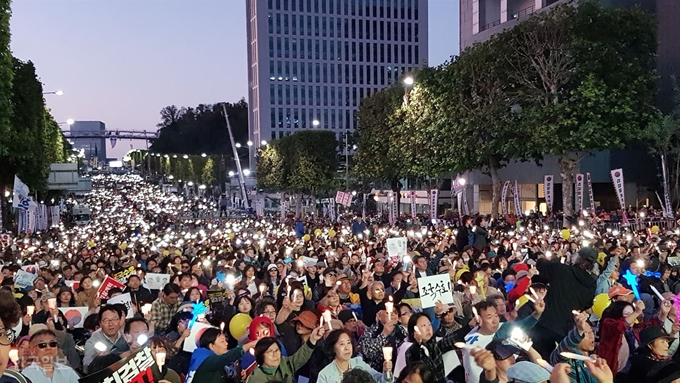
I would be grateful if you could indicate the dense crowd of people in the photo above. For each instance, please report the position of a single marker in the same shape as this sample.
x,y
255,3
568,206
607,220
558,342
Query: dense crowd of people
x,y
307,299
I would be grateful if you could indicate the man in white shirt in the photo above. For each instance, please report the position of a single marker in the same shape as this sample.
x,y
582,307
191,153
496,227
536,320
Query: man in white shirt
x,y
44,368
490,328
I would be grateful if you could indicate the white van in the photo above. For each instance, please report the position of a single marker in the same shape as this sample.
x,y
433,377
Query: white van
x,y
81,215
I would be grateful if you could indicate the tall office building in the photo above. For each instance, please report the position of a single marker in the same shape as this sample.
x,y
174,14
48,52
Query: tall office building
x,y
94,148
311,61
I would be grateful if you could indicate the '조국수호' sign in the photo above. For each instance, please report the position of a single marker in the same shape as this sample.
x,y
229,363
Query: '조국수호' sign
x,y
435,288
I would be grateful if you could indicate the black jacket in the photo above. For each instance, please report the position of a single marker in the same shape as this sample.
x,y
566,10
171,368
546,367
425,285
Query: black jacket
x,y
571,288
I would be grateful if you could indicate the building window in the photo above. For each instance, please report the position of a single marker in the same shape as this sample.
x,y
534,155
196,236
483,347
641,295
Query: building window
x,y
361,51
317,78
325,72
295,71
409,33
286,48
279,91
272,96
309,49
332,74
271,47
285,5
278,5
316,25
416,54
272,74
285,24
317,51
270,23
269,5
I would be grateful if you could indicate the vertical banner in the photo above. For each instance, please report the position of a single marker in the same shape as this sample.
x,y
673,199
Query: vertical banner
x,y
434,194
412,195
504,197
579,193
518,207
391,208
466,208
590,192
617,180
548,191
283,206
459,200
331,209
363,207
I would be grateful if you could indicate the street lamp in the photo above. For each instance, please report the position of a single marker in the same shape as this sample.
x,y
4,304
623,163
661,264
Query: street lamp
x,y
203,155
316,123
56,93
408,80
264,142
238,145
250,143
246,172
231,173
461,181
185,156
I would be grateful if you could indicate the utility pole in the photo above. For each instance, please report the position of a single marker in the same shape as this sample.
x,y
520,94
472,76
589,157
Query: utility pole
x,y
241,180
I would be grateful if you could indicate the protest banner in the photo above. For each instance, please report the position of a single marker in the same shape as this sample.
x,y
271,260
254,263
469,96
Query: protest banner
x,y
396,247
435,288
124,299
140,367
108,284
123,275
156,281
24,279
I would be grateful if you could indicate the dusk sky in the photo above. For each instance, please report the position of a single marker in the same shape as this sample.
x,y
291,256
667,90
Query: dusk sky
x,y
122,61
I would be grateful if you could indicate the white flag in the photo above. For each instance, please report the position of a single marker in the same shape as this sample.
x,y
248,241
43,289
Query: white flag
x,y
21,191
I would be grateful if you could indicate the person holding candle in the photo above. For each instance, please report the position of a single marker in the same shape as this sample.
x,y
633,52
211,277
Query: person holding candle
x,y
340,347
10,314
161,355
109,337
385,332
580,341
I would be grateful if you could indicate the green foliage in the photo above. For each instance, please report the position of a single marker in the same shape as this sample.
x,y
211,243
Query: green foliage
x,y
377,127
208,174
27,153
305,162
6,77
269,167
585,79
201,129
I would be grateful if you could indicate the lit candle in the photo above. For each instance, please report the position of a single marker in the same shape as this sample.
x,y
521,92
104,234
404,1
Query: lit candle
x,y
14,355
222,326
146,309
288,291
389,306
160,359
387,353
327,318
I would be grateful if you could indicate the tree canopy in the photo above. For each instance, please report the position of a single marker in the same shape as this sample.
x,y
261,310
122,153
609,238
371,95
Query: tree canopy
x,y
202,129
304,162
563,82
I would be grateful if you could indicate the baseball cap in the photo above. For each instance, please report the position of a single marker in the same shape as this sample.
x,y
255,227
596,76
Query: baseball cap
x,y
307,319
527,372
615,291
588,253
271,266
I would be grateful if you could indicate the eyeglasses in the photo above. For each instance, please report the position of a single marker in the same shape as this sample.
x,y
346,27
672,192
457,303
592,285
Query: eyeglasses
x,y
7,334
273,352
271,312
332,275
52,344
108,321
